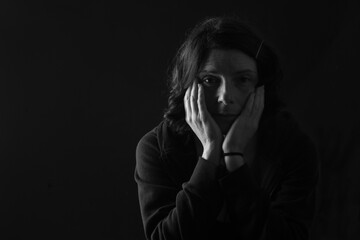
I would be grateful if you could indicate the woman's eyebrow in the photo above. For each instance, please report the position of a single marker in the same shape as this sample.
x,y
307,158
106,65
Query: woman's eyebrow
x,y
209,71
245,71
235,73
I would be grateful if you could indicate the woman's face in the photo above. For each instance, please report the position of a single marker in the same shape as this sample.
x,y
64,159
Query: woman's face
x,y
228,78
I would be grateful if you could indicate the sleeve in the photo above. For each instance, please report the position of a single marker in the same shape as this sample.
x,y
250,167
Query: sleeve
x,y
171,211
289,212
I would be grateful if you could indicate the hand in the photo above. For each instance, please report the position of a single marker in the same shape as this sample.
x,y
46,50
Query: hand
x,y
246,124
201,122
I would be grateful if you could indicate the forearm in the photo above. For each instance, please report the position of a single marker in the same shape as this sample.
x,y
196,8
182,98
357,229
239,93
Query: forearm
x,y
188,217
233,162
171,212
212,153
285,214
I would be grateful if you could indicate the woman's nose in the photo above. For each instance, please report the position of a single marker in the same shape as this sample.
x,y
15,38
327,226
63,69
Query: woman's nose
x,y
226,93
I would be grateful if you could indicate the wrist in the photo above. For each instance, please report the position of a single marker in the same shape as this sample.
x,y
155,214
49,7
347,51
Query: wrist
x,y
233,162
212,154
233,149
225,154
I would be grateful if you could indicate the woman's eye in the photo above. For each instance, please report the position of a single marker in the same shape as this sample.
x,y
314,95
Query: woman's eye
x,y
243,80
209,80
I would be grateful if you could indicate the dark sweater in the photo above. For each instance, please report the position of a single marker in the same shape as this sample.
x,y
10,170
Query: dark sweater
x,y
183,196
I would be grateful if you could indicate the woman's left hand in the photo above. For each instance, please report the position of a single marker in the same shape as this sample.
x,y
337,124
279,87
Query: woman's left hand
x,y
246,124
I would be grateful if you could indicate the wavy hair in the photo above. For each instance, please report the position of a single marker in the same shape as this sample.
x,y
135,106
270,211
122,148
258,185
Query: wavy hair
x,y
220,33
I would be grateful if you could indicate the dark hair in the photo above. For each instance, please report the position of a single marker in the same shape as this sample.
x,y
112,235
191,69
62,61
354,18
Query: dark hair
x,y
220,33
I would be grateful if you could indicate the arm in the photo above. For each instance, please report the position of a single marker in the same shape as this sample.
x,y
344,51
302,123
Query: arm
x,y
289,212
170,211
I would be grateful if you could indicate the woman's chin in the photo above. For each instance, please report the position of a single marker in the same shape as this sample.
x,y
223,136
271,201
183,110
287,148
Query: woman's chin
x,y
224,125
224,129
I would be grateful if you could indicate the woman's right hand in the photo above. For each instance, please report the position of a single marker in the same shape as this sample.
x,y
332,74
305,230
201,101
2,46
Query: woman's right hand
x,y
201,122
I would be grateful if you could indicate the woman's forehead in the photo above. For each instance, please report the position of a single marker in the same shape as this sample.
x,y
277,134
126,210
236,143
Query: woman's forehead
x,y
229,60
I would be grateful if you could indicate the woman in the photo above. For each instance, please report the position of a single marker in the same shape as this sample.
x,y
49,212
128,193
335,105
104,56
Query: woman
x,y
227,161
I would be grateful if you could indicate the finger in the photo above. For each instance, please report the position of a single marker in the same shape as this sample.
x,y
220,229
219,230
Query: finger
x,y
187,104
258,100
260,104
193,100
249,103
201,102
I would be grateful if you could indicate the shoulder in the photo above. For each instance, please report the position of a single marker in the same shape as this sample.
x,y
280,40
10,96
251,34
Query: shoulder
x,y
149,143
148,156
281,127
283,138
280,122
292,132
157,141
152,155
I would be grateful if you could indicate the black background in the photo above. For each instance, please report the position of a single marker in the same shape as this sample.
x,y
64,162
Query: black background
x,y
82,81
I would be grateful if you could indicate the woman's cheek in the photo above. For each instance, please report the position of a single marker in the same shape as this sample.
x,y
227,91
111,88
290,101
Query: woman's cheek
x,y
242,98
210,100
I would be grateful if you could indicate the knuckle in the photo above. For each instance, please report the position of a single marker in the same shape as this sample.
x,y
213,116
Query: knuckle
x,y
204,117
201,118
253,124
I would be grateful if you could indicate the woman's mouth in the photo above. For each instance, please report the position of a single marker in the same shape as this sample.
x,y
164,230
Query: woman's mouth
x,y
224,118
224,115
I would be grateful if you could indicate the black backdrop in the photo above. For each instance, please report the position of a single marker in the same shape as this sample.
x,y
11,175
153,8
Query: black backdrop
x,y
82,81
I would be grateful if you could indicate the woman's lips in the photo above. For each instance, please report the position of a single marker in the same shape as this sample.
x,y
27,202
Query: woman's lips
x,y
226,116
